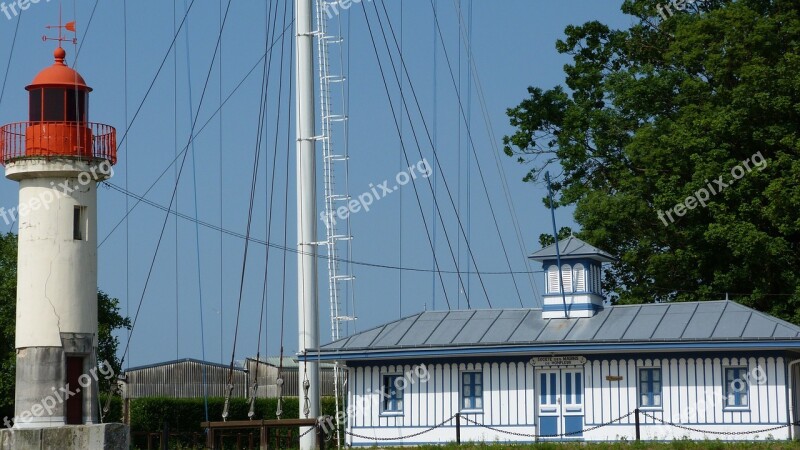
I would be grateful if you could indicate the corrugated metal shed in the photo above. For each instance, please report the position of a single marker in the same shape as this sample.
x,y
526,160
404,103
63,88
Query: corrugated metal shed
x,y
656,322
268,371
183,379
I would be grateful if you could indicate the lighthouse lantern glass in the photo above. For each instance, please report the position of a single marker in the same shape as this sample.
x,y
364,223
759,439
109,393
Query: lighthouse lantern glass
x,y
58,105
76,106
35,108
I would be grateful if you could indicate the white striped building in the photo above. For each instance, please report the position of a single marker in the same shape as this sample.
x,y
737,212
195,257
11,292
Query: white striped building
x,y
573,370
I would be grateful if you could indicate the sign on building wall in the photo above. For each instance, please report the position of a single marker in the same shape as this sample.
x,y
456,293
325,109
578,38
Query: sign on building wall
x,y
563,360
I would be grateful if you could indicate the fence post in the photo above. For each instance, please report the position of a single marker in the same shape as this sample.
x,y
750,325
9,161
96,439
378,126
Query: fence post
x,y
638,434
210,439
458,428
264,438
165,437
320,436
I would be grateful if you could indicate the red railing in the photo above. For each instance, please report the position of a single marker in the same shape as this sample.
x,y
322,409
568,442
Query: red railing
x,y
85,141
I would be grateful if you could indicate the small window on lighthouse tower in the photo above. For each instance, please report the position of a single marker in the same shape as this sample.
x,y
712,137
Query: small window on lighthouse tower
x,y
79,223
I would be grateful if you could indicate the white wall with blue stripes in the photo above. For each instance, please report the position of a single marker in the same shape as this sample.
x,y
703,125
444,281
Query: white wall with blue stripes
x,y
692,395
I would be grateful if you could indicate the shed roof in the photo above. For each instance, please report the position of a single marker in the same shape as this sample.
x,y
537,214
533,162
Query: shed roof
x,y
184,361
674,324
289,362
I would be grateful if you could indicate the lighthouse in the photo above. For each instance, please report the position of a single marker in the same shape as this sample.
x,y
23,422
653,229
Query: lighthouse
x,y
57,156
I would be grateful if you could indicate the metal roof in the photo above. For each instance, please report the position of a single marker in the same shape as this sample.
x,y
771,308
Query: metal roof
x,y
572,247
710,321
289,362
183,361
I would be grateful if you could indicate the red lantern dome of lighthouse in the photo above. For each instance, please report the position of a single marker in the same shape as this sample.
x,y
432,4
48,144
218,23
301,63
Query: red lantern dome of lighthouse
x,y
58,120
59,75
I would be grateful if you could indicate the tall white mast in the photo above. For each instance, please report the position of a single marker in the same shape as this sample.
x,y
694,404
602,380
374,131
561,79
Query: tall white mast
x,y
307,300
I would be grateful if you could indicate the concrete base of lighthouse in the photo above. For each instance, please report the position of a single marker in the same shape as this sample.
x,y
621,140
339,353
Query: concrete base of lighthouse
x,y
57,386
106,436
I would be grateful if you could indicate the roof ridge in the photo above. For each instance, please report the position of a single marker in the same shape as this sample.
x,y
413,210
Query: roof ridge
x,y
767,316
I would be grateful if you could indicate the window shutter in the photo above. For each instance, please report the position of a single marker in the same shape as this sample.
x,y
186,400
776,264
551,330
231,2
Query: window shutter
x,y
552,280
580,278
566,273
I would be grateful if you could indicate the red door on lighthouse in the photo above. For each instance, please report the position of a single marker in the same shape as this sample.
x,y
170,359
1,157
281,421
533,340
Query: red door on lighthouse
x,y
75,402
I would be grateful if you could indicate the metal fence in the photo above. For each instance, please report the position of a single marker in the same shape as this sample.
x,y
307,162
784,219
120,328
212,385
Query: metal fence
x,y
84,140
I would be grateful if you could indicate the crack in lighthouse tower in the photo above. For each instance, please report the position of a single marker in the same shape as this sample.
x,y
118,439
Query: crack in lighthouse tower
x,y
57,157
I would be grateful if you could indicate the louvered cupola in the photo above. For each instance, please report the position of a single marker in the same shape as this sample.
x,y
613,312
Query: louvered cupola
x,y
580,275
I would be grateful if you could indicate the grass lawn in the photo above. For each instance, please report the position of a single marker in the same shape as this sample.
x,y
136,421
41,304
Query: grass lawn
x,y
677,445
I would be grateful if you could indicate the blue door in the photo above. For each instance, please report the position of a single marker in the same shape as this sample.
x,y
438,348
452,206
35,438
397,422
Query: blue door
x,y
560,403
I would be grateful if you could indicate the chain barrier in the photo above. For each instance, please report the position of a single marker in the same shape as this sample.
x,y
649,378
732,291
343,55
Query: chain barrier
x,y
309,430
397,438
723,433
571,433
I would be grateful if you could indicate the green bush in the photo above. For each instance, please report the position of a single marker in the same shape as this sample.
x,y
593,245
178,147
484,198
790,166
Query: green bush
x,y
114,414
185,414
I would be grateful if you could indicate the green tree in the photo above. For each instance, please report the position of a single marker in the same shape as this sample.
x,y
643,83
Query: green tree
x,y
108,317
8,297
653,114
109,320
547,239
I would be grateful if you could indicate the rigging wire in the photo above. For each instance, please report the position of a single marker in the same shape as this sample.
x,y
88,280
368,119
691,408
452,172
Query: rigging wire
x,y
465,118
253,186
458,158
8,63
88,24
125,157
196,225
221,196
195,135
262,129
430,140
271,189
405,154
174,191
468,183
279,381
400,218
175,177
496,154
419,148
155,77
294,250
435,143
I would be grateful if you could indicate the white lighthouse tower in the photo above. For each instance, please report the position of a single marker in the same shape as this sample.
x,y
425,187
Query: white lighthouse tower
x,y
57,157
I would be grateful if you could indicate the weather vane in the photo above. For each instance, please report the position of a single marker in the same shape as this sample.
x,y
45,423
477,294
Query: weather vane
x,y
69,26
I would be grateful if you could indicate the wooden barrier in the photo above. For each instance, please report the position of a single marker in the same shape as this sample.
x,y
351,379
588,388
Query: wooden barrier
x,y
264,426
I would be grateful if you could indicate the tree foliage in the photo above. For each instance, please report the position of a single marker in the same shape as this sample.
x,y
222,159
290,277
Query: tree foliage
x,y
547,239
653,113
108,316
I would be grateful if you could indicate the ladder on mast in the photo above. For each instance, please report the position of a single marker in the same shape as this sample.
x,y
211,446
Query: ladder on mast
x,y
336,243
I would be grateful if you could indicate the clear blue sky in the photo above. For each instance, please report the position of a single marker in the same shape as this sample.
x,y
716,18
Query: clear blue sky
x,y
513,47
